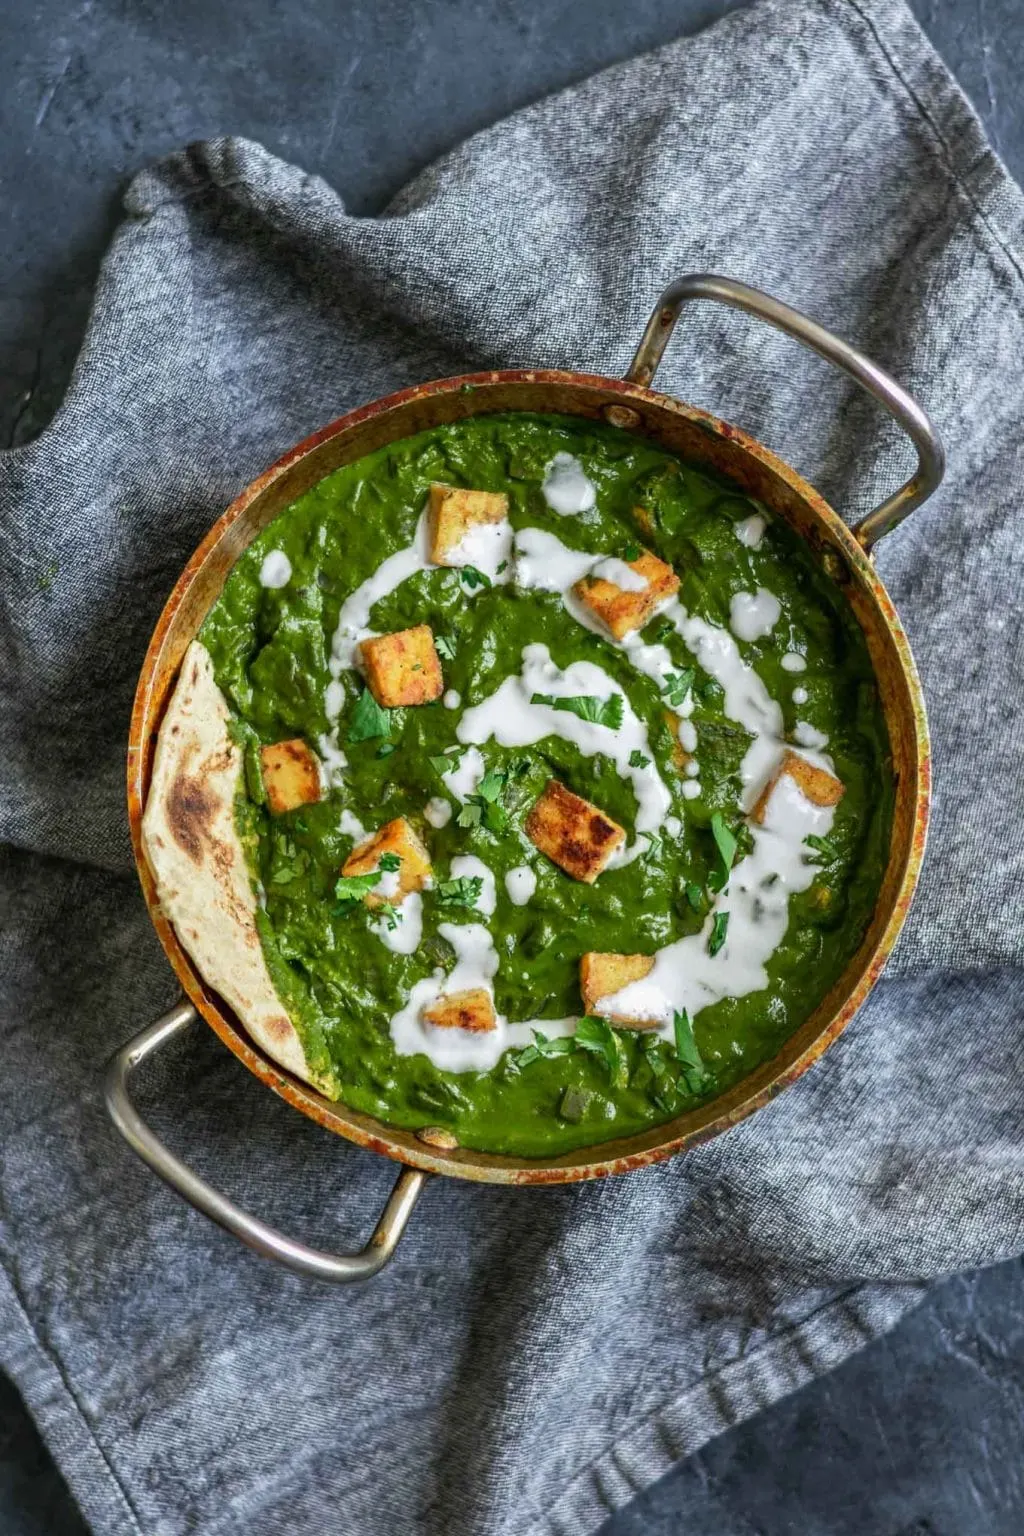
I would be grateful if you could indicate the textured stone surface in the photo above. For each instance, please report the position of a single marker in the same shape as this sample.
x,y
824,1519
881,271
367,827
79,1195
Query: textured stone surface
x,y
920,1435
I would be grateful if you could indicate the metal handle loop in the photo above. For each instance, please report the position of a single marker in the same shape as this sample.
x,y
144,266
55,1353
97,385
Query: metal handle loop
x,y
904,409
248,1229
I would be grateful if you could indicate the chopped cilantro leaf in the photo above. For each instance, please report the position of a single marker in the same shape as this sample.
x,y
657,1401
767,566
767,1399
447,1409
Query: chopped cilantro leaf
x,y
463,892
725,841
368,719
470,814
607,712
491,785
637,759
445,646
474,578
561,1045
686,1045
695,896
349,889
631,552
718,931
676,686
390,862
821,846
598,1037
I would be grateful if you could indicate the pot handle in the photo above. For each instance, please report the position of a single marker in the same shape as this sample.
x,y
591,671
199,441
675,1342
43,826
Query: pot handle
x,y
903,408
248,1229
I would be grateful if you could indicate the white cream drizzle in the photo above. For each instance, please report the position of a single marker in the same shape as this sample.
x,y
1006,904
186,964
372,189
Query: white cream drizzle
x,y
750,530
619,574
520,883
566,488
276,570
794,662
438,811
349,825
485,546
403,938
452,699
333,761
800,695
806,735
462,778
752,615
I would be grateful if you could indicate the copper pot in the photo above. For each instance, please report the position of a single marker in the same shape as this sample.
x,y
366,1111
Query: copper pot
x,y
843,554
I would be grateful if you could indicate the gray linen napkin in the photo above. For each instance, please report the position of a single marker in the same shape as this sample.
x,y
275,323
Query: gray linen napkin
x,y
530,1359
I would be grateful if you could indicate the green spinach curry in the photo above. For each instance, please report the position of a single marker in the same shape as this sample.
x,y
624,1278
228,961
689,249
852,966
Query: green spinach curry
x,y
686,820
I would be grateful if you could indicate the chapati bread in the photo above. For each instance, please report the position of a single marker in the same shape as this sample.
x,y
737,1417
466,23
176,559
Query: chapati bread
x,y
198,861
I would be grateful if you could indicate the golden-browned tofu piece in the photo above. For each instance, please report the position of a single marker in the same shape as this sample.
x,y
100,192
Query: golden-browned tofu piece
x,y
291,775
452,513
620,610
574,834
403,668
602,976
820,786
413,871
472,1010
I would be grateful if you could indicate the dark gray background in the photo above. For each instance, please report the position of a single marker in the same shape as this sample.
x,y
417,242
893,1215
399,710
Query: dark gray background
x,y
921,1434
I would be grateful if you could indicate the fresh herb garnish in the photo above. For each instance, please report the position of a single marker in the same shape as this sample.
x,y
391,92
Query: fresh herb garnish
x,y
637,759
718,931
725,841
561,1045
474,578
695,896
631,552
598,1037
349,889
463,892
389,862
502,567
653,845
368,719
445,646
687,1053
821,846
676,686
485,808
606,712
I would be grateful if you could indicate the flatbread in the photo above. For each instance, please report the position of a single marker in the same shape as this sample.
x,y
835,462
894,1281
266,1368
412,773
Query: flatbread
x,y
198,860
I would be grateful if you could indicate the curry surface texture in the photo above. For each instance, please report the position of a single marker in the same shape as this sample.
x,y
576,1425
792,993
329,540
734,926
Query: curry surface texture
x,y
336,963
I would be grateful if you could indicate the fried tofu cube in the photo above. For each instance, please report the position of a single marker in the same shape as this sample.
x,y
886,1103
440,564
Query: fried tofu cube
x,y
413,871
472,1010
602,976
403,668
291,775
574,834
817,784
622,610
452,514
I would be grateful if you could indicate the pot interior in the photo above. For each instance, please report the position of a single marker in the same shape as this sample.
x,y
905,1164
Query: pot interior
x,y
702,440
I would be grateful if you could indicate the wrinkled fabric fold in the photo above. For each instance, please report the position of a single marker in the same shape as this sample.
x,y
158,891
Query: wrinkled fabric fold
x,y
531,1359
